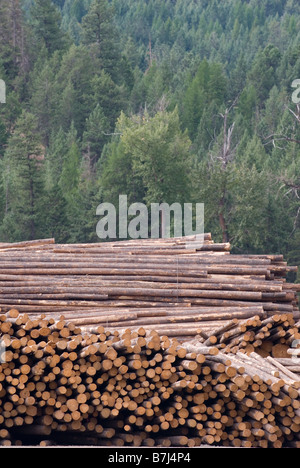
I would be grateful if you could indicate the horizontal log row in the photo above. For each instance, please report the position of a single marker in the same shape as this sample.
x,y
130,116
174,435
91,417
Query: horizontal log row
x,y
61,385
170,285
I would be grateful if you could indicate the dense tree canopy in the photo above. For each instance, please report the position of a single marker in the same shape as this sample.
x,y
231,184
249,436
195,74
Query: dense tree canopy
x,y
174,101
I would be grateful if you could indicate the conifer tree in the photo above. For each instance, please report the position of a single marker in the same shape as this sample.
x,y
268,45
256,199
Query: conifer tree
x,y
95,135
99,34
55,156
46,22
24,181
208,85
70,173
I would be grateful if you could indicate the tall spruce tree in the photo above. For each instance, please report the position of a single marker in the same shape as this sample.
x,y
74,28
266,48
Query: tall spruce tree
x,y
208,86
100,35
13,47
95,135
46,23
24,181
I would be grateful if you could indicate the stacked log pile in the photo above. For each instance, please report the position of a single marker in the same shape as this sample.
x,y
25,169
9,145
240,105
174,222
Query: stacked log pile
x,y
62,386
173,286
277,335
147,343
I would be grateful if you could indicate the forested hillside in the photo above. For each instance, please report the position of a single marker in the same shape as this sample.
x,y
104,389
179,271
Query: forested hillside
x,y
164,101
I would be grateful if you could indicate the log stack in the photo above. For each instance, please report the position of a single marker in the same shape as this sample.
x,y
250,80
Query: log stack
x,y
277,335
60,386
147,343
173,286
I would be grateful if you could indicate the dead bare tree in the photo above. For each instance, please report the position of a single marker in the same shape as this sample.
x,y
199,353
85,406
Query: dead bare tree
x,y
227,152
290,185
274,138
225,155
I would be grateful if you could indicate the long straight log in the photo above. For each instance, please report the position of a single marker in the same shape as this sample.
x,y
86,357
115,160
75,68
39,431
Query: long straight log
x,y
89,278
182,260
116,291
32,243
56,282
25,270
39,267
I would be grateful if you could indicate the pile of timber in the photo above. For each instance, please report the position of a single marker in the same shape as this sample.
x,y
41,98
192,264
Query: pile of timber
x,y
276,336
62,386
173,286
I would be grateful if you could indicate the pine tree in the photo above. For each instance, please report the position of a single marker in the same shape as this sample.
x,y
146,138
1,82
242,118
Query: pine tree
x,y
23,181
44,103
74,89
3,137
13,40
100,35
56,152
263,72
95,135
109,96
54,215
46,22
69,178
254,154
209,85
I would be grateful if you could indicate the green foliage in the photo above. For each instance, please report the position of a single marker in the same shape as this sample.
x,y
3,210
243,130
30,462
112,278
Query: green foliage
x,y
208,86
109,96
160,101
46,23
12,51
160,154
263,72
23,181
100,35
95,135
54,215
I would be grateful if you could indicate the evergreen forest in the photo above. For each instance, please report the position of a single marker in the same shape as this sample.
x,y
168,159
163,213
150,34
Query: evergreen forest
x,y
189,101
